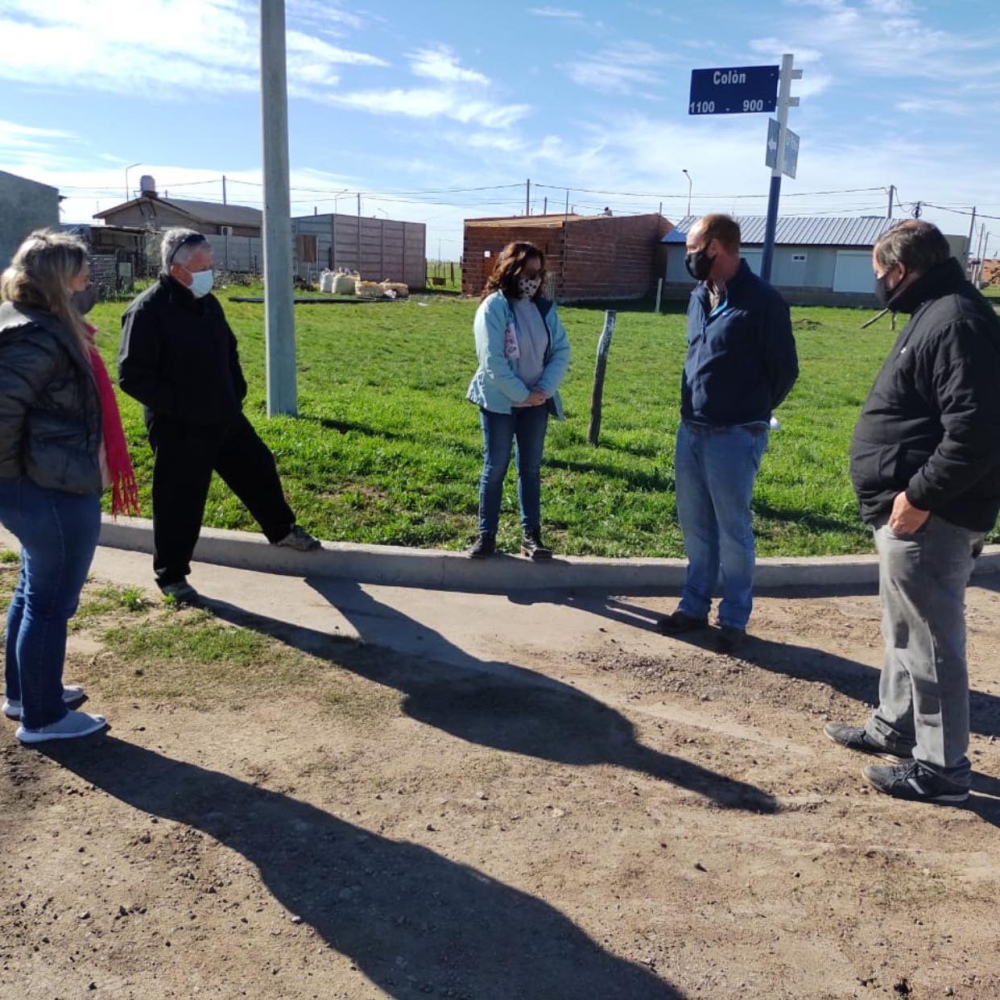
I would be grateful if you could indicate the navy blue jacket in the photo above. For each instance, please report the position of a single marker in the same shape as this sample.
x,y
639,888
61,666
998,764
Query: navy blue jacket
x,y
741,360
931,423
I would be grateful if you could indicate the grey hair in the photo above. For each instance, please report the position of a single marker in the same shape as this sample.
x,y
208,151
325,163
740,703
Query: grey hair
x,y
178,246
915,244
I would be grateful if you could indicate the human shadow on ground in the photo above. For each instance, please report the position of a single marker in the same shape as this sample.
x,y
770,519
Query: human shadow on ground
x,y
489,703
851,678
413,921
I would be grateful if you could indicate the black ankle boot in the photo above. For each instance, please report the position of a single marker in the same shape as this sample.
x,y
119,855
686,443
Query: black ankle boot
x,y
484,546
532,546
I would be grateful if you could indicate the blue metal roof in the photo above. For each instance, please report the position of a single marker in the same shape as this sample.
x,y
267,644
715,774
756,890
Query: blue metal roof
x,y
809,231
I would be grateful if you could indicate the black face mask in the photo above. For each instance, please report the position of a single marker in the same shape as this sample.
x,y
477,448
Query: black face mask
x,y
699,264
883,294
84,301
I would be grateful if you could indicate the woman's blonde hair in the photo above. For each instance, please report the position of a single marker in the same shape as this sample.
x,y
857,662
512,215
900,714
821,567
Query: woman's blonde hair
x,y
40,274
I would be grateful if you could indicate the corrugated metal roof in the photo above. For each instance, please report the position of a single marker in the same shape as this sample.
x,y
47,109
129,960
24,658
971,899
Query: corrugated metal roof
x,y
211,212
809,231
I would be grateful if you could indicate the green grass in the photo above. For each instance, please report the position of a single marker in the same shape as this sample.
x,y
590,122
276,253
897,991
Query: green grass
x,y
387,450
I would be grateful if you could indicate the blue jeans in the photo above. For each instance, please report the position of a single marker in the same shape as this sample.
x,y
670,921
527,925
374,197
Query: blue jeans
x,y
58,534
715,468
526,425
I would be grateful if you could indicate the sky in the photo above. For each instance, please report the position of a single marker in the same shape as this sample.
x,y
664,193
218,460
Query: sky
x,y
440,110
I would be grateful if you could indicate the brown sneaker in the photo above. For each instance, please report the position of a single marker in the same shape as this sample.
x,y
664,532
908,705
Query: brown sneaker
x,y
678,622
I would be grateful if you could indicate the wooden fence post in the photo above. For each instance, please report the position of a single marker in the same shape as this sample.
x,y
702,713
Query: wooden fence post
x,y
603,346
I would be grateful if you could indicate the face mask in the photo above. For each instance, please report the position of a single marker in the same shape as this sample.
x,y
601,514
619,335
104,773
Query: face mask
x,y
699,264
84,301
201,283
528,287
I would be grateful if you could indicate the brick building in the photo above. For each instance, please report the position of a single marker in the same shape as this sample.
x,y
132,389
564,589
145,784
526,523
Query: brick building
x,y
599,257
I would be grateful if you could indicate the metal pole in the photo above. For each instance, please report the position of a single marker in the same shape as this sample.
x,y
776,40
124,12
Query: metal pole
x,y
892,198
785,101
278,305
690,185
224,189
527,197
972,229
127,169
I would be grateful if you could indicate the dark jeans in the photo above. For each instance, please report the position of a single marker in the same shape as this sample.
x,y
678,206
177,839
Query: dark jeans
x,y
526,425
185,456
58,534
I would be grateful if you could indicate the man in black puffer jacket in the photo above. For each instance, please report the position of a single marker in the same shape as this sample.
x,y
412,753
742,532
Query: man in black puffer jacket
x,y
178,357
925,462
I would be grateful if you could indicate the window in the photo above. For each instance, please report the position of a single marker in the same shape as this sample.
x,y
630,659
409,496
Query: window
x,y
798,258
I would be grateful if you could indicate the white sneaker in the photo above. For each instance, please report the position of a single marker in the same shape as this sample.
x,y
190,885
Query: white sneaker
x,y
72,726
71,695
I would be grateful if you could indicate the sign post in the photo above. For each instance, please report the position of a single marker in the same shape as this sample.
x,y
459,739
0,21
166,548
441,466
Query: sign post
x,y
786,154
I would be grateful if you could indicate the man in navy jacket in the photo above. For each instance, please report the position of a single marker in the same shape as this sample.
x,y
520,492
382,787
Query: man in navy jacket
x,y
925,462
741,363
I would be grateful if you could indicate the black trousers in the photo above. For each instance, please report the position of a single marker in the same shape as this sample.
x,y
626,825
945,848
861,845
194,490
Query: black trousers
x,y
184,457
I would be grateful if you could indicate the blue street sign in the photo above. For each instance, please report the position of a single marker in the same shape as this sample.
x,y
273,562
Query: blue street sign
x,y
791,163
738,91
791,159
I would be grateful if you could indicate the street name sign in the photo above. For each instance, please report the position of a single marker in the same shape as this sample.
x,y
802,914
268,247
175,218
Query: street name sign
x,y
791,158
734,91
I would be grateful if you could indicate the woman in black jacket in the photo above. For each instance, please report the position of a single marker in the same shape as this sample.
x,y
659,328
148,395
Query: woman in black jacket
x,y
52,471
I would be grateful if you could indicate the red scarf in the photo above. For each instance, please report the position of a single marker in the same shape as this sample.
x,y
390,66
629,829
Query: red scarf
x,y
124,490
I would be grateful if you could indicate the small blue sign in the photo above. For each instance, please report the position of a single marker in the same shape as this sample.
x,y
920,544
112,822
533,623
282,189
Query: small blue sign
x,y
734,91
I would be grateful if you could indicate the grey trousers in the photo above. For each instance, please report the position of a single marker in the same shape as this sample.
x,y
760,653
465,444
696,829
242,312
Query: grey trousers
x,y
924,687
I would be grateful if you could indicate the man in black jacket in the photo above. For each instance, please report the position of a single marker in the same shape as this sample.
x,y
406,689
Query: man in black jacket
x,y
741,363
178,357
925,462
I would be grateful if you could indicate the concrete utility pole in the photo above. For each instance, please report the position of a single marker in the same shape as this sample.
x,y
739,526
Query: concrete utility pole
x,y
892,198
279,306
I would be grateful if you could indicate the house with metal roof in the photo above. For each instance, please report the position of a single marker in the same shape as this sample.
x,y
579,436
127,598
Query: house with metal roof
x,y
817,261
151,210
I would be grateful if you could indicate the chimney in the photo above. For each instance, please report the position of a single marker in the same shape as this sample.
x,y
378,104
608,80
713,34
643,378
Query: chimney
x,y
147,186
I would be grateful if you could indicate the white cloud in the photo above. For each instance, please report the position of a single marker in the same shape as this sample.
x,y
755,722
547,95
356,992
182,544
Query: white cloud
x,y
175,48
932,106
461,94
572,15
441,64
618,70
15,136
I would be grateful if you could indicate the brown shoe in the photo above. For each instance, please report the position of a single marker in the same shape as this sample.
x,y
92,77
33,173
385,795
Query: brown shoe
x,y
678,622
730,639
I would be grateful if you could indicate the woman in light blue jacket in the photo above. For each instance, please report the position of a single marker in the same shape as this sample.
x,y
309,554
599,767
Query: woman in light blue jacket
x,y
523,358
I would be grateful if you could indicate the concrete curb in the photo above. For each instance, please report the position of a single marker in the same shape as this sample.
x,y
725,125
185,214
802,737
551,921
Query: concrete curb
x,y
393,565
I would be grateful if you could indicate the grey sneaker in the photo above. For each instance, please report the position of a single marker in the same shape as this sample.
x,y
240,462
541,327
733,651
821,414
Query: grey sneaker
x,y
300,540
914,782
71,695
70,727
857,738
181,592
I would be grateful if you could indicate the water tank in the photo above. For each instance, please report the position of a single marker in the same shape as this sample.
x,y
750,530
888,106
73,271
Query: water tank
x,y
147,186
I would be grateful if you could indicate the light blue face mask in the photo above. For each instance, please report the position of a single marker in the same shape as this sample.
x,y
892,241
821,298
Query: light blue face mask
x,y
201,283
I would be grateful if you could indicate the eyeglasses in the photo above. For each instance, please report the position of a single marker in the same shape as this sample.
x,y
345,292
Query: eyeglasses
x,y
188,241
